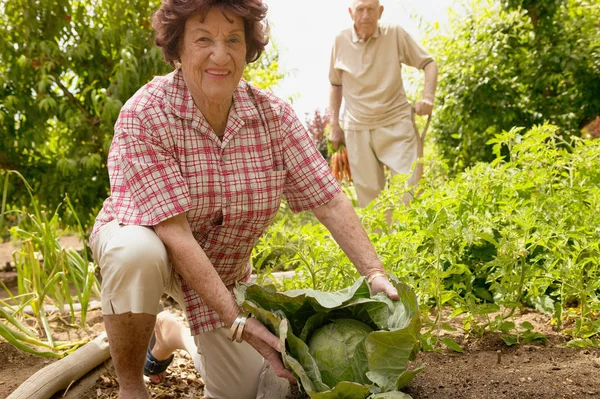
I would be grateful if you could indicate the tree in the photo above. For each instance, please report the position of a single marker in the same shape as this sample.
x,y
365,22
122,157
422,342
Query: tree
x,y
518,63
265,72
537,10
66,68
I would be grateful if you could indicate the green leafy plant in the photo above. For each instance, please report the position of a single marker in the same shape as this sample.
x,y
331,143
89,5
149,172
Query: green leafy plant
x,y
47,274
514,335
339,351
478,248
382,354
513,63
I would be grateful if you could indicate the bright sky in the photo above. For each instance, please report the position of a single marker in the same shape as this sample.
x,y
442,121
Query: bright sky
x,y
304,31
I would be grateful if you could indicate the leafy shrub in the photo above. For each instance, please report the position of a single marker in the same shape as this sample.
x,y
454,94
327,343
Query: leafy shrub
x,y
47,275
379,366
509,64
520,231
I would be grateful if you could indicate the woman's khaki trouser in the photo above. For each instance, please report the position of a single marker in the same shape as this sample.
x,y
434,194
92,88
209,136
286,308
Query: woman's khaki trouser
x,y
135,273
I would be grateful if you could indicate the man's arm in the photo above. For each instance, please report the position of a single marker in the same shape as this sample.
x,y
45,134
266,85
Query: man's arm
x,y
341,220
425,106
335,102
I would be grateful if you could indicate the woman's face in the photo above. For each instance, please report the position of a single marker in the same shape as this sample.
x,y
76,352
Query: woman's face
x,y
213,56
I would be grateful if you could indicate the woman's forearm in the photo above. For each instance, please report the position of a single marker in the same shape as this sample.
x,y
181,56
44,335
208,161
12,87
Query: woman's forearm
x,y
341,220
190,261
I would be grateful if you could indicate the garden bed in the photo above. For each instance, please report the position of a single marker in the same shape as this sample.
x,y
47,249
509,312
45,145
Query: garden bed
x,y
487,368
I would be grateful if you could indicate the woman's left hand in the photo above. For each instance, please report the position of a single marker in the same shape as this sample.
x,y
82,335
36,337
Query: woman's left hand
x,y
382,284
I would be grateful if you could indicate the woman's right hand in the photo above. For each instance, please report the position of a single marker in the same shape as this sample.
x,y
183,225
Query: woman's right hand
x,y
268,345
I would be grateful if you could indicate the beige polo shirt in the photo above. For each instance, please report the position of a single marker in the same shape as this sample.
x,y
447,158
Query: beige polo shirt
x,y
370,74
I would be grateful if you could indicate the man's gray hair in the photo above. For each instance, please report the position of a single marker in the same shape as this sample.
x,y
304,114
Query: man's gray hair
x,y
353,3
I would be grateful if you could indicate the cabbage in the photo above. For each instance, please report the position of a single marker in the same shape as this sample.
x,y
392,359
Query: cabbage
x,y
343,359
334,347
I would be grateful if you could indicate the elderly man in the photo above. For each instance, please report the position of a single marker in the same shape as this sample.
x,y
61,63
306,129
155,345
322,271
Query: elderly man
x,y
366,71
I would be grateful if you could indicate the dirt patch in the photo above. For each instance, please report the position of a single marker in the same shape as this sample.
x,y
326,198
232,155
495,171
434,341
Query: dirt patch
x,y
487,368
6,250
16,366
525,372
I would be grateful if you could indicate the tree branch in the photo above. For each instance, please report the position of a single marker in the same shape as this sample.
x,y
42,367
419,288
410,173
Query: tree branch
x,y
5,162
72,97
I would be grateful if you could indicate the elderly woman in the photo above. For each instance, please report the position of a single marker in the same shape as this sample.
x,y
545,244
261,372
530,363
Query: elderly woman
x,y
198,165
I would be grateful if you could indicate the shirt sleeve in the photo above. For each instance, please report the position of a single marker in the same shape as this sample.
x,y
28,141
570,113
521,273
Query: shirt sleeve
x,y
152,187
335,76
309,183
412,53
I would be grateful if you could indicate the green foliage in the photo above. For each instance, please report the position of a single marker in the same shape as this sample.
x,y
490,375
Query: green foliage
x,y
386,343
520,64
265,72
301,243
47,274
66,69
525,334
518,232
540,12
336,348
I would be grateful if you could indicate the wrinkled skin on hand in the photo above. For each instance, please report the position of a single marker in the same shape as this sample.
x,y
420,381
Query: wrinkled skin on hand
x,y
382,284
267,344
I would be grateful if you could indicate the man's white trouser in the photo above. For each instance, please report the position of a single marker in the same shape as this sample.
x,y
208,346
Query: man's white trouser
x,y
394,146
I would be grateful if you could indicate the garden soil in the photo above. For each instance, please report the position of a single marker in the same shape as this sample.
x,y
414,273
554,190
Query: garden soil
x,y
486,369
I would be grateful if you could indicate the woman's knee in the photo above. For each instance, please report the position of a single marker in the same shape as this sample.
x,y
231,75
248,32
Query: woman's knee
x,y
135,269
135,248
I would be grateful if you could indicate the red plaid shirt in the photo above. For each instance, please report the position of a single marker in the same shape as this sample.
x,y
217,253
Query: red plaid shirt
x,y
165,160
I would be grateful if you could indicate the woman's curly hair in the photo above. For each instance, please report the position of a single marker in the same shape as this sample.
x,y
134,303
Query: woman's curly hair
x,y
169,23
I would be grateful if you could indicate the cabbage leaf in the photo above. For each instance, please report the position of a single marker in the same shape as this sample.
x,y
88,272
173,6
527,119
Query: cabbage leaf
x,y
294,315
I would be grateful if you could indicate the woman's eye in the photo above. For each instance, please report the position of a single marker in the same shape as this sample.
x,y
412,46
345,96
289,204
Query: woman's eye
x,y
235,40
204,39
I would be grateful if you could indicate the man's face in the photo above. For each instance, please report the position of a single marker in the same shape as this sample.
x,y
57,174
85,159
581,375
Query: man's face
x,y
365,14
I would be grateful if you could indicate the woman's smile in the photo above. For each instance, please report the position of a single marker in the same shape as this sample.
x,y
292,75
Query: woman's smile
x,y
215,73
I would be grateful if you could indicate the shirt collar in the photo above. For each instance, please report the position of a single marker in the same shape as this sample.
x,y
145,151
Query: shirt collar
x,y
178,97
356,39
180,100
244,102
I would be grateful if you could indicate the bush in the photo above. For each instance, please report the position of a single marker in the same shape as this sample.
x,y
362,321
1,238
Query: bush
x,y
504,66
